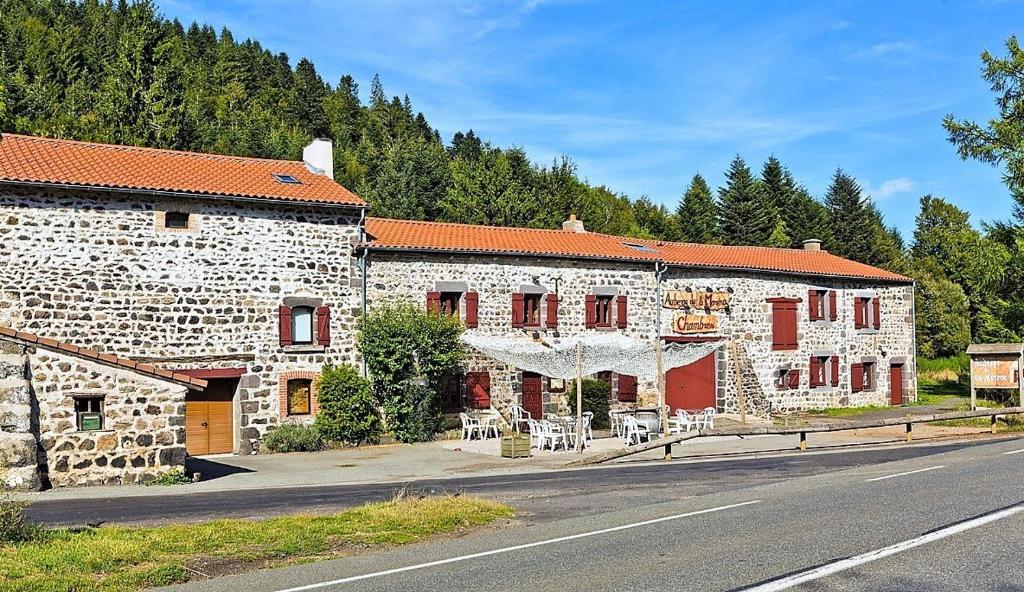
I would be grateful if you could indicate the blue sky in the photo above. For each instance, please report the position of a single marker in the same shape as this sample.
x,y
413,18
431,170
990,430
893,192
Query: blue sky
x,y
642,95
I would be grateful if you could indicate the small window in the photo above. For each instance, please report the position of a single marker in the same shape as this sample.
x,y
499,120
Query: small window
x,y
821,371
787,378
449,303
869,376
531,310
556,385
177,220
89,413
643,248
288,179
300,396
603,316
302,325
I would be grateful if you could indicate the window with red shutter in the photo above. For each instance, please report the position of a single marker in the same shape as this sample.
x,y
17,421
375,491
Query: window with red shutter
x,y
323,325
472,309
794,378
518,313
856,377
590,311
434,302
813,305
531,310
627,388
450,303
552,312
783,324
622,312
478,390
833,309
603,310
860,312
284,318
835,370
816,376
876,312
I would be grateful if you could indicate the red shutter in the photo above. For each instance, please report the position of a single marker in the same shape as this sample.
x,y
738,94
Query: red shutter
x,y
835,370
478,390
784,326
552,316
518,311
620,316
858,313
814,370
323,325
627,388
833,310
434,302
812,305
794,378
590,311
876,303
472,309
857,377
284,318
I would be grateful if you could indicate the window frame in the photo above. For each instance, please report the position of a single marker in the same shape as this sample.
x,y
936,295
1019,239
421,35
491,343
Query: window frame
x,y
450,303
607,301
100,403
783,380
179,222
533,303
312,325
309,397
870,375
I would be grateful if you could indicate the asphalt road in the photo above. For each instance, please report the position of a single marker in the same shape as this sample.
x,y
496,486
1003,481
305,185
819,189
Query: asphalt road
x,y
538,497
942,518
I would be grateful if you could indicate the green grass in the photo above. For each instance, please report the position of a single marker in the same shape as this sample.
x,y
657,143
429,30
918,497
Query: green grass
x,y
843,411
118,558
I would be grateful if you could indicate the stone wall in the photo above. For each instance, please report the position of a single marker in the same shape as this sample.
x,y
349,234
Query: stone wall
x,y
143,431
19,452
95,269
747,324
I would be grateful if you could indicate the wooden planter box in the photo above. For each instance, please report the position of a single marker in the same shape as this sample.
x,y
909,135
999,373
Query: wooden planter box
x,y
515,446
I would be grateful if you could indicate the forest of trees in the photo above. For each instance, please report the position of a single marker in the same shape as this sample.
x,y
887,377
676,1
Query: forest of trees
x,y
120,72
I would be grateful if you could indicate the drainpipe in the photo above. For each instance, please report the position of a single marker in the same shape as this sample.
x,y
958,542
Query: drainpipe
x,y
363,253
659,276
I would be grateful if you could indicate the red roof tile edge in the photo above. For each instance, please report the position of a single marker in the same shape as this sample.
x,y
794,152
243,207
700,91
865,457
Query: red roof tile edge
x,y
376,243
101,358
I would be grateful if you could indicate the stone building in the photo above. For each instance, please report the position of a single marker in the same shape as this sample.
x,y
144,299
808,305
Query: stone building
x,y
153,299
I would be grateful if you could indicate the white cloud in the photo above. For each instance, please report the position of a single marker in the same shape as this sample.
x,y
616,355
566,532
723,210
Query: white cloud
x,y
886,49
888,188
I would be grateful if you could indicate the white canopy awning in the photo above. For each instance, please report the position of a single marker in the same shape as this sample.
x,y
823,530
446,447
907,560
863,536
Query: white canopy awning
x,y
556,357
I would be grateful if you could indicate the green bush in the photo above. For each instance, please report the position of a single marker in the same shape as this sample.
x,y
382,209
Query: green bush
x,y
175,476
403,345
348,411
14,527
595,400
294,438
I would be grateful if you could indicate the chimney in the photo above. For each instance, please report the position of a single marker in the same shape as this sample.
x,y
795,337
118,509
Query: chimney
x,y
812,244
319,156
573,225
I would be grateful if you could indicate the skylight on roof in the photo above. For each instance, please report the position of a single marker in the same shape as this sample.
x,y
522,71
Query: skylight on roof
x,y
643,248
289,179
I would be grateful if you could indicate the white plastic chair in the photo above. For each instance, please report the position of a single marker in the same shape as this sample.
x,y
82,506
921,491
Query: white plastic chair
x,y
470,426
553,434
588,423
519,416
708,422
632,430
616,421
682,422
536,433
489,425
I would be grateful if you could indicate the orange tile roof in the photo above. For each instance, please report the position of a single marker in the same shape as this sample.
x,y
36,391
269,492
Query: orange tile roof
x,y
405,235
84,164
95,356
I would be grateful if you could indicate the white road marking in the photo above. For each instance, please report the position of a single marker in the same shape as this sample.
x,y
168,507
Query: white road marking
x,y
514,548
851,562
905,473
1015,451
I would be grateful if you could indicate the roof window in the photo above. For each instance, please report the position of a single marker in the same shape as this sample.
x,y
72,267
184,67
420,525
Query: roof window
x,y
289,179
643,248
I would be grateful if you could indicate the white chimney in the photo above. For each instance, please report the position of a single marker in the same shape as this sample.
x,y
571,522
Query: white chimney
x,y
812,244
573,225
319,156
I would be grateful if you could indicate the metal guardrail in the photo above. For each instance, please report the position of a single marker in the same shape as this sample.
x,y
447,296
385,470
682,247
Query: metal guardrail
x,y
801,430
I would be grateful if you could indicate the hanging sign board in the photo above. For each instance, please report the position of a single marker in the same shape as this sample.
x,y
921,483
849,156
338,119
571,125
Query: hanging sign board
x,y
995,373
689,323
684,299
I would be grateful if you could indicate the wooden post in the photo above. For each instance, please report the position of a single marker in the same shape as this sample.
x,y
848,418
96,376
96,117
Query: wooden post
x,y
579,396
741,397
974,392
910,432
993,424
803,440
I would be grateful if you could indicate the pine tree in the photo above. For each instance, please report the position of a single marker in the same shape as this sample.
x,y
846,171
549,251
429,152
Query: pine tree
x,y
746,215
697,214
853,232
653,220
806,219
308,107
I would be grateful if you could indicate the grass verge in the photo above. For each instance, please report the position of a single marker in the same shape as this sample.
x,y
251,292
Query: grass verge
x,y
114,558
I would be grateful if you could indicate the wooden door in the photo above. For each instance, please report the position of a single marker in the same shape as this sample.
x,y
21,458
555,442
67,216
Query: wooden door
x,y
209,418
533,395
896,384
692,386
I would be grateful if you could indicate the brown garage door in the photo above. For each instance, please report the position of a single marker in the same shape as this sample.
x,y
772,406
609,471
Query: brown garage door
x,y
209,427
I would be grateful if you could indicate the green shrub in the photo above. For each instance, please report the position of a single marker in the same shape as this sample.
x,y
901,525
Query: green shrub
x,y
348,411
14,527
175,476
294,438
403,345
595,400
